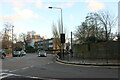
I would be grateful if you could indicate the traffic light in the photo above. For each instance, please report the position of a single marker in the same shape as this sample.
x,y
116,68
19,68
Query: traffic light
x,y
62,38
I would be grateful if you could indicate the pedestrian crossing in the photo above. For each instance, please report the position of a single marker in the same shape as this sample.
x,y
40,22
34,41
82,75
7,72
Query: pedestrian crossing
x,y
4,75
14,76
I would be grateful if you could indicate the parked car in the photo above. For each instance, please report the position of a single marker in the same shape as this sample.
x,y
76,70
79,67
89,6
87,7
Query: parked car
x,y
2,54
23,53
42,53
17,54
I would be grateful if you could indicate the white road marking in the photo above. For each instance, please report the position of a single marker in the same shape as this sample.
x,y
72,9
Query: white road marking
x,y
31,66
25,68
14,70
34,77
48,63
20,69
4,75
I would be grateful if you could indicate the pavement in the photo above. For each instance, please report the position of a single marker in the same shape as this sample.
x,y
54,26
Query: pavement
x,y
89,62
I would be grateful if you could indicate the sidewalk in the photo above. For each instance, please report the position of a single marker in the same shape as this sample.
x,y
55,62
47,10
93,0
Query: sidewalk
x,y
93,62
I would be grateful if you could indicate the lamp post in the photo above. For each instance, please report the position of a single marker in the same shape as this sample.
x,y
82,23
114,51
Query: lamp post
x,y
61,16
62,35
12,39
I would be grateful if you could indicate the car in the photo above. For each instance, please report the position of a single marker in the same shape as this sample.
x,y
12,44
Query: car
x,y
23,53
42,53
17,54
2,54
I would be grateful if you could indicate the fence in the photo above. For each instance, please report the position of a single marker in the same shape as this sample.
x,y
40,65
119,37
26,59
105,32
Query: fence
x,y
102,50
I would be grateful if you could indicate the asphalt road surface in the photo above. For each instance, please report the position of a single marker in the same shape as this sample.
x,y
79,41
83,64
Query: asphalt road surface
x,y
31,67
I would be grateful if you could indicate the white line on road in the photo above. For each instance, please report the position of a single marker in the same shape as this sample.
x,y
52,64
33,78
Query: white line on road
x,y
25,68
14,70
31,66
48,63
1,74
4,75
20,69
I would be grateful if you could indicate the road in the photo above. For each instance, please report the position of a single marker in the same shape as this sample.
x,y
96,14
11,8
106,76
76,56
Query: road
x,y
32,67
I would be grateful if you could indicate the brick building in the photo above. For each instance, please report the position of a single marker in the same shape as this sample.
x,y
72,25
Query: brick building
x,y
48,44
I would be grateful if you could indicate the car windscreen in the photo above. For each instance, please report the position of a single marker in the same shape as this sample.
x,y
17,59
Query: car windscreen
x,y
16,51
2,51
42,52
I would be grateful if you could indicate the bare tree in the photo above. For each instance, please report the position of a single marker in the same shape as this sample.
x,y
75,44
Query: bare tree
x,y
30,35
6,36
96,27
107,21
56,31
56,35
23,38
0,36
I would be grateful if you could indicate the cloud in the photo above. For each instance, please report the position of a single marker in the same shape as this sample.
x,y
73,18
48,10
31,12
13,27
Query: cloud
x,y
25,13
8,18
18,3
20,14
58,0
39,4
94,5
66,5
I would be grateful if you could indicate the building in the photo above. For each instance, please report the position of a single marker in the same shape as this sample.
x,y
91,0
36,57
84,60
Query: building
x,y
35,38
48,44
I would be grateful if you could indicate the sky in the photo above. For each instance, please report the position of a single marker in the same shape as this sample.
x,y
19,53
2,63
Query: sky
x,y
28,15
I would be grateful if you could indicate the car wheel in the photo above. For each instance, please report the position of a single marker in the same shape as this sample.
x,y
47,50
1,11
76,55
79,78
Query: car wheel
x,y
13,55
3,57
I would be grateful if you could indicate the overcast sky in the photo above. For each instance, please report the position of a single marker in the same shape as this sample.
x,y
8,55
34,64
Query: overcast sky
x,y
28,15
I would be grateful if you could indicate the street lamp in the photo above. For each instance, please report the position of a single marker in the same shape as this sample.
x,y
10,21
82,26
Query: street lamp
x,y
12,39
62,35
61,15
